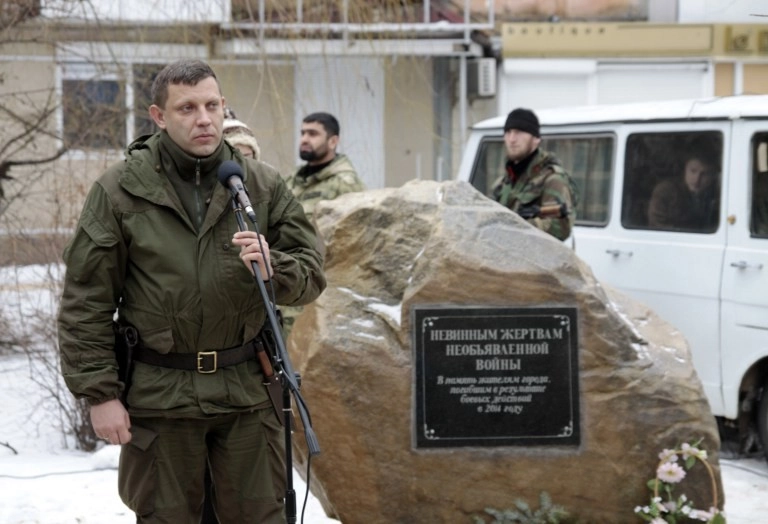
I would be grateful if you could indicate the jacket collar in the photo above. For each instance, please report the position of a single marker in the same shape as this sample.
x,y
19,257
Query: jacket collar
x,y
334,167
149,156
173,158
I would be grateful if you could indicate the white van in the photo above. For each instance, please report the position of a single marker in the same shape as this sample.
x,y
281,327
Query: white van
x,y
708,276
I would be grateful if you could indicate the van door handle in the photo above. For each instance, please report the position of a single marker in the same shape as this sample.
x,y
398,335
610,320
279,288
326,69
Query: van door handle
x,y
618,252
743,265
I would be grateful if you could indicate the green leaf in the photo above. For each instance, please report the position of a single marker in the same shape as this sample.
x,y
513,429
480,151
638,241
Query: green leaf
x,y
522,506
718,519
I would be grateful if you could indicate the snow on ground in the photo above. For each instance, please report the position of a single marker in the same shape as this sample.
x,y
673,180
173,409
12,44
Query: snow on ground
x,y
44,480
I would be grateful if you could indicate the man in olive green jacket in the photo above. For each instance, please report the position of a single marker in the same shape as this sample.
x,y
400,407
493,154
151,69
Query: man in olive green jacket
x,y
155,244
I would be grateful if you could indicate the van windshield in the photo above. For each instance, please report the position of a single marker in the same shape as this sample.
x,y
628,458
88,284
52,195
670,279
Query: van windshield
x,y
587,158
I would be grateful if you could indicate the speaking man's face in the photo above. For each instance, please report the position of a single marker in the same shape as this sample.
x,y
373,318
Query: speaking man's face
x,y
193,116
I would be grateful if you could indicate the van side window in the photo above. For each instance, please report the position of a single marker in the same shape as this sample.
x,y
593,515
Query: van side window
x,y
672,181
759,217
489,165
587,158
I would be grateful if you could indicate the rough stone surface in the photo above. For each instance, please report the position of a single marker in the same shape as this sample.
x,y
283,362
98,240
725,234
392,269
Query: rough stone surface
x,y
444,243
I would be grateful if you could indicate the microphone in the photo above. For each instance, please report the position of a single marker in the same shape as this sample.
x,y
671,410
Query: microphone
x,y
231,177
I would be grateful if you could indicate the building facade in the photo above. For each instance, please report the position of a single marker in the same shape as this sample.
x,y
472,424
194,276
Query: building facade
x,y
405,79
576,63
76,80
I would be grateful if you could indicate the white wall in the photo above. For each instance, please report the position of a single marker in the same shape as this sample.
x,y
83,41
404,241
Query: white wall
x,y
352,90
542,83
551,82
723,11
629,82
140,10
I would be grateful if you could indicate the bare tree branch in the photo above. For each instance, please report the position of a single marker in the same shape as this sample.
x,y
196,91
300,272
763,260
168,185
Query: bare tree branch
x,y
14,12
6,165
32,127
7,445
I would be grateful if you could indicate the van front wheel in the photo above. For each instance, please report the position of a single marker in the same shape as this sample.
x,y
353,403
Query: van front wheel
x,y
762,420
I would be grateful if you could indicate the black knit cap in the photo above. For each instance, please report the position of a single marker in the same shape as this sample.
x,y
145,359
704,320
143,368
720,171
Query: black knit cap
x,y
523,120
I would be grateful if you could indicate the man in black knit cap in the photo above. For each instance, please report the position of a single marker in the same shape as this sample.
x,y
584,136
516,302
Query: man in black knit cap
x,y
535,185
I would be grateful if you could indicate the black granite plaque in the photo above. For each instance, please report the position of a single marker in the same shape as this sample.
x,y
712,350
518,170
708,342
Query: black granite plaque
x,y
496,376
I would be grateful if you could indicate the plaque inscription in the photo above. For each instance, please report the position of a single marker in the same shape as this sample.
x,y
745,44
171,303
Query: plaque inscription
x,y
496,376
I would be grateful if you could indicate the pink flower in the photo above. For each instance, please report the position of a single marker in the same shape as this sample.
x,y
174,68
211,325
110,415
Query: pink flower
x,y
668,455
668,506
692,451
670,472
702,515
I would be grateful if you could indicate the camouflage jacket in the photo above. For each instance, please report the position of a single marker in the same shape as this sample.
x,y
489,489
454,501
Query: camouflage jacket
x,y
335,179
543,182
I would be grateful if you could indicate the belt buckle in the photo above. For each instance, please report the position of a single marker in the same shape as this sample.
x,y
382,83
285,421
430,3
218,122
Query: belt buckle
x,y
201,356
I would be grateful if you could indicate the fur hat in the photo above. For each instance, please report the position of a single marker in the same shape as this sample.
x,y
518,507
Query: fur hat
x,y
523,120
238,133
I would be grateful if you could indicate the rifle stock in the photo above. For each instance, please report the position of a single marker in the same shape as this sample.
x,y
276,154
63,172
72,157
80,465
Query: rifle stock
x,y
272,381
547,211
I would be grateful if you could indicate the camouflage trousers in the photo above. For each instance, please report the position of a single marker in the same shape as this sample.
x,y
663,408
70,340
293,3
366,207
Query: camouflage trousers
x,y
162,468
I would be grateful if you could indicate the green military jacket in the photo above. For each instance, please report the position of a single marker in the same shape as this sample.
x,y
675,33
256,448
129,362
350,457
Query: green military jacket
x,y
544,182
335,179
137,251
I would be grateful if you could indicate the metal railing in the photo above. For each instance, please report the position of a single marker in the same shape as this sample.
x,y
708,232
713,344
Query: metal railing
x,y
260,25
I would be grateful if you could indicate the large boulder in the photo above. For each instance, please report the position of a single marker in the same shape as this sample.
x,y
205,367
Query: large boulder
x,y
390,251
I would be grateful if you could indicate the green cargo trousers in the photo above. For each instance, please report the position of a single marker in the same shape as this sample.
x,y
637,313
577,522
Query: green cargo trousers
x,y
162,469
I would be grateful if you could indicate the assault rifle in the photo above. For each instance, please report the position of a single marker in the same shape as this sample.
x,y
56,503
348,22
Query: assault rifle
x,y
548,211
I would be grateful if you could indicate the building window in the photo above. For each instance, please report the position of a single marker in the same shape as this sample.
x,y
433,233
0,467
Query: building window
x,y
104,108
143,76
94,114
672,181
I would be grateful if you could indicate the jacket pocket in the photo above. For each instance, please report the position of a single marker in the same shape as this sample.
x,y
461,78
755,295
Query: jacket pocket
x,y
159,339
155,329
137,477
91,244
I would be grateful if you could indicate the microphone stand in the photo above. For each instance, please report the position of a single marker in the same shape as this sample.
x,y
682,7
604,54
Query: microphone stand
x,y
288,378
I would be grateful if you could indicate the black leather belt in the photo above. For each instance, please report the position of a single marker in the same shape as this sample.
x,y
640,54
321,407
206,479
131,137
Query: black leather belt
x,y
202,361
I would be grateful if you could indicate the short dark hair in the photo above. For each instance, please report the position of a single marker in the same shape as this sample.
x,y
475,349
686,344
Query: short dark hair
x,y
186,71
327,120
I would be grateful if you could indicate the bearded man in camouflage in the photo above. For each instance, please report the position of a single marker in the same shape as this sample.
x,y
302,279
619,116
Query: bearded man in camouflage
x,y
326,175
535,185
